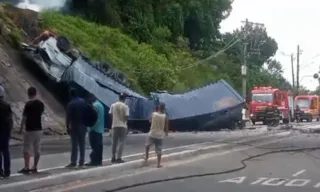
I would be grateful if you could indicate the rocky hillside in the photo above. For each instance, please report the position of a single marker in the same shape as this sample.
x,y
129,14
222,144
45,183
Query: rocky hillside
x,y
16,26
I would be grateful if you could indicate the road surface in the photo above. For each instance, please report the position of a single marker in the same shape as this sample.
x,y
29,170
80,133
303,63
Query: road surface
x,y
56,153
291,171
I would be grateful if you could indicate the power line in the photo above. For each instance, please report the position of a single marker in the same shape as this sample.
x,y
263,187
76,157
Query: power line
x,y
210,57
230,44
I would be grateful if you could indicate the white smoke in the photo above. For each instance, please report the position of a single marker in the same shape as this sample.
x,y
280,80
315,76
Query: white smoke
x,y
40,5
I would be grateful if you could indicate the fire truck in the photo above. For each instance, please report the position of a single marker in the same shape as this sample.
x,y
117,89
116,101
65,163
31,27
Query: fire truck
x,y
263,97
309,106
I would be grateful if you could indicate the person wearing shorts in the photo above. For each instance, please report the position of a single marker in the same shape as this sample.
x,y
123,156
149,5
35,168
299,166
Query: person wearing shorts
x,y
31,123
159,128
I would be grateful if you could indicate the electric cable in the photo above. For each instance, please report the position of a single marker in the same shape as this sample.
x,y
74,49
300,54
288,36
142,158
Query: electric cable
x,y
243,166
237,38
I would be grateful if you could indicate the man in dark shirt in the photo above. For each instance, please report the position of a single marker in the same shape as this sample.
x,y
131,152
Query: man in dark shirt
x,y
6,124
31,121
76,128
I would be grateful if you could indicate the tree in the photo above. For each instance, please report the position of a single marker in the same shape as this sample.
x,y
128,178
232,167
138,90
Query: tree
x,y
274,67
192,26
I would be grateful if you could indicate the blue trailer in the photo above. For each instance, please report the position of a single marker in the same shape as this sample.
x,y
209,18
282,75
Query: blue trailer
x,y
212,107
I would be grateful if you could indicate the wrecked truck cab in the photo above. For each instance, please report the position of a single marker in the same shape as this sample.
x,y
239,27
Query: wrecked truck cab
x,y
50,56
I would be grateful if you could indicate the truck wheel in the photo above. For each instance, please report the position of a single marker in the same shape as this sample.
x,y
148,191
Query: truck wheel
x,y
63,43
318,119
309,119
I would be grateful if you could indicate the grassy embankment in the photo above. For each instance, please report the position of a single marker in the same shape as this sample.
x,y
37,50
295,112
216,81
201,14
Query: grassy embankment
x,y
148,67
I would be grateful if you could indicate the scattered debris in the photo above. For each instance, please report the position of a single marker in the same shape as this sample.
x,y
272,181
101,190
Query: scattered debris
x,y
5,63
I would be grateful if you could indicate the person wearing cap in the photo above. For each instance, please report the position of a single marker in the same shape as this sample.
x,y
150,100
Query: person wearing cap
x,y
158,129
119,113
6,125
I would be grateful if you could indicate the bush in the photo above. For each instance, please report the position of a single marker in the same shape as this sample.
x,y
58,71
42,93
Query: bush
x,y
15,37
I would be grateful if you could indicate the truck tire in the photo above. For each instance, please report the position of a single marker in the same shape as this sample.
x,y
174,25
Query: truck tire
x,y
285,121
318,118
63,43
108,70
121,78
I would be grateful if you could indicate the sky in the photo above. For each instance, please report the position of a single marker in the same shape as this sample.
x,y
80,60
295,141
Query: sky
x,y
38,5
290,23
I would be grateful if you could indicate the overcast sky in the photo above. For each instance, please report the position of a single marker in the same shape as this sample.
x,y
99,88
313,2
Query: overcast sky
x,y
289,22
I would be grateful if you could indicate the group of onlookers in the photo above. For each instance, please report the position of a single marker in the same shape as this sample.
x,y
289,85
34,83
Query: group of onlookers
x,y
83,115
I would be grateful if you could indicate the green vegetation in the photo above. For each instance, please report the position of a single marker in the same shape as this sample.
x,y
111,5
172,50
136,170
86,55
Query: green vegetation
x,y
146,67
15,37
161,44
185,32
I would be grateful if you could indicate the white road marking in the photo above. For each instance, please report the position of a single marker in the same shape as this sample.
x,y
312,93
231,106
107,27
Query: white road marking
x,y
298,173
317,185
274,182
90,183
260,179
20,183
168,149
128,156
297,183
236,180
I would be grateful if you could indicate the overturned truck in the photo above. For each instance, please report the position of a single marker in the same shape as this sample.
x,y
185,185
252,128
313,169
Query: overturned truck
x,y
212,107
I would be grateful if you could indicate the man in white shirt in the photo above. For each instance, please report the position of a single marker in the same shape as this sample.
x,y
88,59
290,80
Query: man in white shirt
x,y
159,128
119,113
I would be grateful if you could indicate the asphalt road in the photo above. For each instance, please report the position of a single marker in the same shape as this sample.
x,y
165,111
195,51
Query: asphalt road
x,y
135,142
284,171
57,153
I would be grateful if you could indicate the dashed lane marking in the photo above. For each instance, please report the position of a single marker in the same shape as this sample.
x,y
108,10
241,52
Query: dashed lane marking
x,y
298,173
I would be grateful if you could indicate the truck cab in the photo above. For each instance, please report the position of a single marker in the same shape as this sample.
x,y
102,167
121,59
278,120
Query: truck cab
x,y
261,97
309,106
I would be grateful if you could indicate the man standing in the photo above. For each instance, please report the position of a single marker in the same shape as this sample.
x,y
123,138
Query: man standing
x,y
119,113
159,128
6,124
76,128
96,133
31,121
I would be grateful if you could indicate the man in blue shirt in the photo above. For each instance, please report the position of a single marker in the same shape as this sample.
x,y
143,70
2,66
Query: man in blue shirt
x,y
76,128
96,133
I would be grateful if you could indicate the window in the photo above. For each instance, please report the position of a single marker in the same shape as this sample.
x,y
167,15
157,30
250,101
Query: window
x,y
266,97
303,103
278,98
314,103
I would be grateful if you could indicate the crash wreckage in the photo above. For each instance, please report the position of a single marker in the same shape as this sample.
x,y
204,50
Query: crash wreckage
x,y
211,107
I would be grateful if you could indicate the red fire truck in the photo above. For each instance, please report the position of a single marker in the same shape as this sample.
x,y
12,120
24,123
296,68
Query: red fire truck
x,y
309,106
261,97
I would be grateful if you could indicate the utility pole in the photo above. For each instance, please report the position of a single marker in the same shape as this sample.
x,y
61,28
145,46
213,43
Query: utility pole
x,y
298,68
244,71
254,49
292,70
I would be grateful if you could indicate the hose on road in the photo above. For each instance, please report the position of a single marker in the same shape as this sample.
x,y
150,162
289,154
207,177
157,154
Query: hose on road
x,y
243,166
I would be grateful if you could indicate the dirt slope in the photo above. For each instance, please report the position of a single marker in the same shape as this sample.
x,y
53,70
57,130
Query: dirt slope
x,y
15,75
17,79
